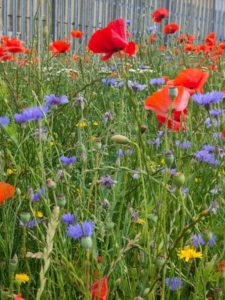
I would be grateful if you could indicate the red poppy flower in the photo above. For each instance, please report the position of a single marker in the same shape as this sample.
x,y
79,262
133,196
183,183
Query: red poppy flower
x,y
18,297
211,40
190,38
77,34
223,133
160,101
182,38
6,191
13,45
176,122
111,39
192,79
171,28
58,47
159,14
99,289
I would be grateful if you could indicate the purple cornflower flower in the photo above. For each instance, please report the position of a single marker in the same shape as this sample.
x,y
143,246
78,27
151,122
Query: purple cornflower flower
x,y
128,22
52,100
208,148
212,239
217,135
184,146
136,86
31,114
107,181
79,101
215,112
157,81
174,283
208,98
68,218
197,240
87,227
74,231
160,133
155,142
4,121
153,29
68,160
109,81
206,156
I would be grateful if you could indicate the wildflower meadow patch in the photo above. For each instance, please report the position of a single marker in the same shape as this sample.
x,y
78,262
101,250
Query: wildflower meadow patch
x,y
112,180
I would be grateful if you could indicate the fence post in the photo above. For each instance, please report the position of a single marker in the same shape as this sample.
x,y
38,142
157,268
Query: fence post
x,y
53,20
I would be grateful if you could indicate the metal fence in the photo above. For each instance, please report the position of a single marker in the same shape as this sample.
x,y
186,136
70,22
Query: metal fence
x,y
54,19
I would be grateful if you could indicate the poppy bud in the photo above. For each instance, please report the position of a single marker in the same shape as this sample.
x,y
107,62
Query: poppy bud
x,y
109,226
173,92
120,139
86,242
178,179
61,201
25,217
143,128
169,159
160,260
18,191
51,184
13,263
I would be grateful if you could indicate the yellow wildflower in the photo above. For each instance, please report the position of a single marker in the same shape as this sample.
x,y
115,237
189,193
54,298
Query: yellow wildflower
x,y
198,179
223,172
95,124
162,161
11,171
189,253
38,214
22,277
140,221
81,124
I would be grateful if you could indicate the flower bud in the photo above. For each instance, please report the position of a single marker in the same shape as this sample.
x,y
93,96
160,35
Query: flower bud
x,y
178,179
120,139
109,226
86,242
143,128
169,159
146,291
25,217
61,201
173,92
51,184
105,203
160,260
13,263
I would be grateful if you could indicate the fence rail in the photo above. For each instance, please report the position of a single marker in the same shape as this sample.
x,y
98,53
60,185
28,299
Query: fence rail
x,y
54,19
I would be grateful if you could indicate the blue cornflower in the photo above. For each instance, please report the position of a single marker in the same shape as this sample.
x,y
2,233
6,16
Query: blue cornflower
x,y
128,22
160,133
157,81
31,114
215,112
4,121
208,148
107,181
217,135
197,240
184,146
155,142
206,156
174,283
68,160
212,239
211,122
87,227
74,231
208,98
109,81
136,86
153,29
52,100
68,218
80,230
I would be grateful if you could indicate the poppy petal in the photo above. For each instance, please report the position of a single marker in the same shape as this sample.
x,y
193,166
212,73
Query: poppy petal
x,y
6,191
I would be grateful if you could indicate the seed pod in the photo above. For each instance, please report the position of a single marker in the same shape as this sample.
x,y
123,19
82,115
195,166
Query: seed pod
x,y
120,139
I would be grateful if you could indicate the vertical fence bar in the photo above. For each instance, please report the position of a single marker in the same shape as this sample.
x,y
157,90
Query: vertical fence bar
x,y
4,16
23,19
14,17
91,16
62,20
69,18
97,15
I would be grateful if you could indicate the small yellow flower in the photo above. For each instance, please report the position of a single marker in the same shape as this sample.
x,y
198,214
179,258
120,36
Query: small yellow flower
x,y
223,172
93,138
162,161
189,253
22,277
95,124
81,124
11,171
38,214
51,143
140,221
